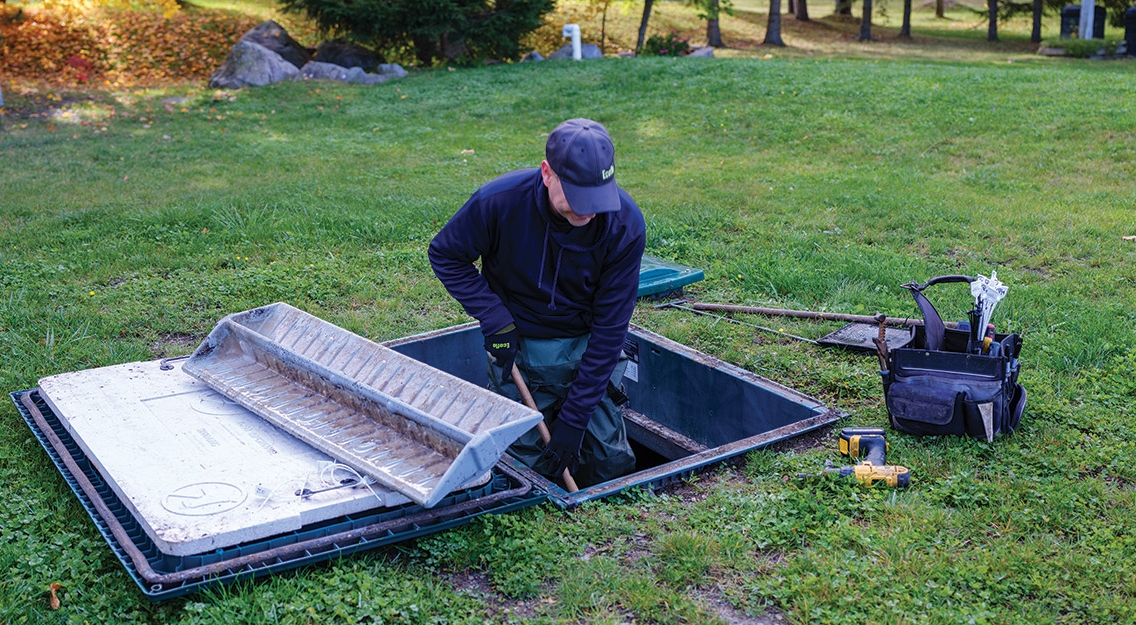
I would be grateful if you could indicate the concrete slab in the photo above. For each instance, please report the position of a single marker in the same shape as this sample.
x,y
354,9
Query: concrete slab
x,y
197,470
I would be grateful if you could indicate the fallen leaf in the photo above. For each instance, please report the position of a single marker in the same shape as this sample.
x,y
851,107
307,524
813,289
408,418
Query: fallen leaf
x,y
1131,237
467,151
53,600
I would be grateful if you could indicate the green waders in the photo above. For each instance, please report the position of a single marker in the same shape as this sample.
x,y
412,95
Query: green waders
x,y
549,367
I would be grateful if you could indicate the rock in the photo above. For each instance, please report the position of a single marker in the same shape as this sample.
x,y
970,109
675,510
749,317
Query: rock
x,y
587,51
358,76
392,70
328,71
272,36
706,52
535,56
346,54
251,65
314,70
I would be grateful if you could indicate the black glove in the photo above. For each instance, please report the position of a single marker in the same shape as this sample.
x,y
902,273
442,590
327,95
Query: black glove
x,y
563,448
503,347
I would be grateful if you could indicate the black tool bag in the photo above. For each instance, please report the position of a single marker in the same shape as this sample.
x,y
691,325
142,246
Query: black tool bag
x,y
943,383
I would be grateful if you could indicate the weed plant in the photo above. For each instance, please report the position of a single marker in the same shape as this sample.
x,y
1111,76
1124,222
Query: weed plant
x,y
820,184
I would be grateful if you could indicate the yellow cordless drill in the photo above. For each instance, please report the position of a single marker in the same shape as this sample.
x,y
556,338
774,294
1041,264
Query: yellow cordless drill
x,y
870,444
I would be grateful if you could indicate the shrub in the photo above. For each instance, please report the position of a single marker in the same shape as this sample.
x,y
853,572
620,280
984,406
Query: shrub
x,y
431,30
1083,48
671,44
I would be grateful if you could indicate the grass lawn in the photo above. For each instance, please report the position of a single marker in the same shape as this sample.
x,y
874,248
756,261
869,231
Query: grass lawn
x,y
131,221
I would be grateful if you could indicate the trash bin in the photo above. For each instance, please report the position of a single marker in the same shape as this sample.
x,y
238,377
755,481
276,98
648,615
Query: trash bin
x,y
1130,31
1071,21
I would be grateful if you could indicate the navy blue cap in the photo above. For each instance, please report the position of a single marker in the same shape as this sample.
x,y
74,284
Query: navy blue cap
x,y
581,154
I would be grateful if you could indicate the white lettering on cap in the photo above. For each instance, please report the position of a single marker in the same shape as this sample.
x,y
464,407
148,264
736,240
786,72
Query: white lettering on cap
x,y
609,172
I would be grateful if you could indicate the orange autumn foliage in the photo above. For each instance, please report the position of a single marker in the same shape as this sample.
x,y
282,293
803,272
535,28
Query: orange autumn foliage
x,y
114,48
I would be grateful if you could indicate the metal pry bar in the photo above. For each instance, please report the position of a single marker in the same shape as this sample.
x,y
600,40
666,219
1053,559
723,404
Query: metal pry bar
x,y
678,304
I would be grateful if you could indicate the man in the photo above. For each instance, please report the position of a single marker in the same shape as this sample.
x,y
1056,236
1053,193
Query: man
x,y
560,247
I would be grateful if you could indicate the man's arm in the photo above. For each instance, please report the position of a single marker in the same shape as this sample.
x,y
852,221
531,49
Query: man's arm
x,y
470,234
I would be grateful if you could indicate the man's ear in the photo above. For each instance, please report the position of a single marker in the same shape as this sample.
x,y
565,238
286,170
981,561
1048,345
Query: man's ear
x,y
546,172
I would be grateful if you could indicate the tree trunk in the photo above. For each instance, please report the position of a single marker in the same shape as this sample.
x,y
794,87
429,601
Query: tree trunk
x,y
843,7
643,24
714,34
1035,37
905,31
802,10
713,28
773,29
992,30
792,7
603,27
866,21
939,8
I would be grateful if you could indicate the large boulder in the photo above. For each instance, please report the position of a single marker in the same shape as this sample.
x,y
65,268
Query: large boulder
x,y
346,54
251,65
273,36
587,51
701,53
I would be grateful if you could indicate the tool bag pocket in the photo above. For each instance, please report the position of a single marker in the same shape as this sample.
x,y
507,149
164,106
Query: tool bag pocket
x,y
945,390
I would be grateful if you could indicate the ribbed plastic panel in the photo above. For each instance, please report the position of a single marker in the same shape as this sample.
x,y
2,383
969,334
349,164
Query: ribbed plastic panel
x,y
505,492
412,427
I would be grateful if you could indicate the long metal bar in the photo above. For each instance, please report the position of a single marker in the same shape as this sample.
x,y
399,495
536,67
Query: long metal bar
x,y
743,323
147,572
807,314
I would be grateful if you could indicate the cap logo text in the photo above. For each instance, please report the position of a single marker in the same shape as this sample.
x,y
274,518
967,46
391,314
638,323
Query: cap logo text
x,y
608,173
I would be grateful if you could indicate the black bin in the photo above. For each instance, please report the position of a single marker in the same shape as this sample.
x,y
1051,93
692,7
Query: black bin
x,y
1071,21
1130,30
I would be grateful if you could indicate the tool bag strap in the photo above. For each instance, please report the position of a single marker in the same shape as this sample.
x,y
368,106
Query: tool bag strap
x,y
932,322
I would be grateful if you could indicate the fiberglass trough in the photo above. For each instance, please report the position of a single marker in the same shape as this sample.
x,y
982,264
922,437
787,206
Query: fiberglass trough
x,y
410,427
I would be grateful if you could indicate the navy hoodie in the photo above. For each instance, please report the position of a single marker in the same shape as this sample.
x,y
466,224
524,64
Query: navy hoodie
x,y
551,281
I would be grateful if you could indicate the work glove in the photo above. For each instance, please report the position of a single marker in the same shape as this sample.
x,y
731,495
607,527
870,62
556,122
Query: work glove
x,y
503,347
563,448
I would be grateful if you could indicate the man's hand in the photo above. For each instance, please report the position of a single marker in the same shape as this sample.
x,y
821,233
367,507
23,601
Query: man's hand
x,y
563,448
503,347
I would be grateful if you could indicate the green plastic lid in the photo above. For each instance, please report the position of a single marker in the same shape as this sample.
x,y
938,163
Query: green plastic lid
x,y
659,276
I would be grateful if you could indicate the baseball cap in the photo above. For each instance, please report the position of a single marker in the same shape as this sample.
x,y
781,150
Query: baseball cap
x,y
581,154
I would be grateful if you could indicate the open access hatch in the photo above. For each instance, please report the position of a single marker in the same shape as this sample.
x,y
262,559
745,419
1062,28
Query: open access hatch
x,y
687,411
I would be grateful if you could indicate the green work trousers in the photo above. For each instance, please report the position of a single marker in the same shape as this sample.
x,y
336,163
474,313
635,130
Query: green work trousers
x,y
549,367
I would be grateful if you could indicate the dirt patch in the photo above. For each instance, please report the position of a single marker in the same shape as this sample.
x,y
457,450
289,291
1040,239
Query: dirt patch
x,y
176,344
499,607
726,611
823,437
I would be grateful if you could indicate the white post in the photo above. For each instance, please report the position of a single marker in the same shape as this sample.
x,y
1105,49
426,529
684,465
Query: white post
x,y
573,31
1088,8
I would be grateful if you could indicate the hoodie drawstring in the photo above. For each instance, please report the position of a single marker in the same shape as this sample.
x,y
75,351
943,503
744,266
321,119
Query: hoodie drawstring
x,y
555,277
556,272
543,254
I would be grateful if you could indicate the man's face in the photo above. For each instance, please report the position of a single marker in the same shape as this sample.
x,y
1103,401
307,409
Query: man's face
x,y
557,199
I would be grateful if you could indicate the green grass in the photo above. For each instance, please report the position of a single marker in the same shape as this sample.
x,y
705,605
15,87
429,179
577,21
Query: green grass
x,y
805,183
